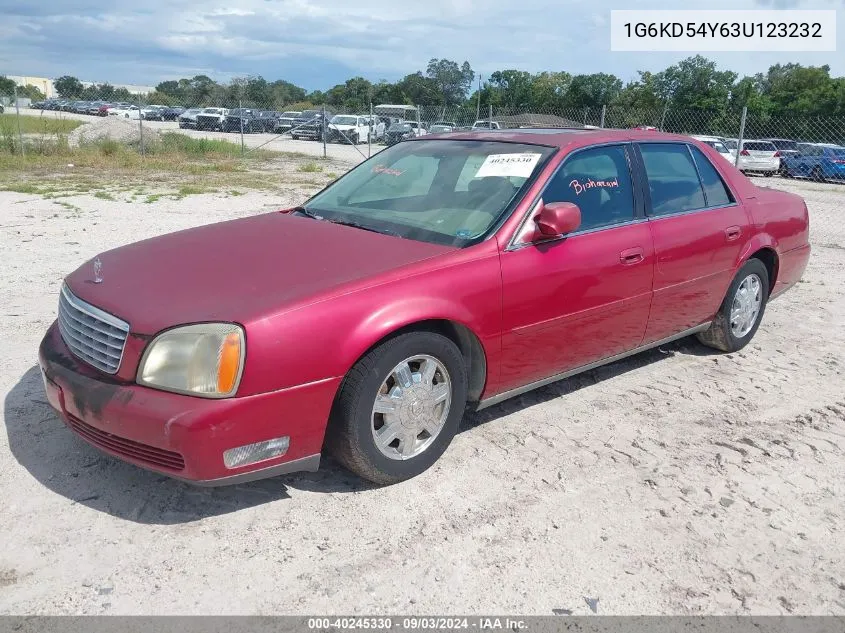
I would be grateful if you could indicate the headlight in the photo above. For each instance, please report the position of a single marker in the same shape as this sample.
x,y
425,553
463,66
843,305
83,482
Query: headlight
x,y
199,360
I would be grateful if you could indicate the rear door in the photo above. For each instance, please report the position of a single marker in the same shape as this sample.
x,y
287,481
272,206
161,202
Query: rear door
x,y
698,230
583,297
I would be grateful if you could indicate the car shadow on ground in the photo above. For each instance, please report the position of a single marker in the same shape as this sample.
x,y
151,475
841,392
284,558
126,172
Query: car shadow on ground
x,y
68,466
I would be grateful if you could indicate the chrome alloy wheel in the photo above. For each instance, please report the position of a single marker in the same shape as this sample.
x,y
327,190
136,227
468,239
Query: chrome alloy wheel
x,y
746,305
411,407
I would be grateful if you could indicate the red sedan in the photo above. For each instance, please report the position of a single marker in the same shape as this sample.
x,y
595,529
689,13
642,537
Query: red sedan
x,y
446,272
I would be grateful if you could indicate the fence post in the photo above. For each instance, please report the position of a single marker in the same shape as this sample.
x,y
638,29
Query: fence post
x,y
370,136
663,117
490,116
140,124
323,126
241,119
741,134
603,113
18,116
419,123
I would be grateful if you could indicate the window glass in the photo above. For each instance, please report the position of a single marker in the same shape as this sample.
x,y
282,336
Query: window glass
x,y
599,182
715,192
672,178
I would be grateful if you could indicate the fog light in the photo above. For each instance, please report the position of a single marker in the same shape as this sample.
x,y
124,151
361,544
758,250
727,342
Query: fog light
x,y
251,453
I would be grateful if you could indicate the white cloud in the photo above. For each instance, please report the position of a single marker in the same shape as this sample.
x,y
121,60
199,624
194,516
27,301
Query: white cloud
x,y
320,42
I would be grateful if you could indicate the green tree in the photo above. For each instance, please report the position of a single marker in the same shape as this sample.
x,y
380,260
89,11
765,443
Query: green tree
x,y
68,87
421,90
7,86
511,89
592,91
695,82
548,90
451,81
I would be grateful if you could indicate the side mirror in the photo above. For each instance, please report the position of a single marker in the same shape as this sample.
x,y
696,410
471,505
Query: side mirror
x,y
558,218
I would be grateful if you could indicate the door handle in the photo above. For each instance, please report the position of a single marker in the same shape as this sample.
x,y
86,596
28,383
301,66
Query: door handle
x,y
631,256
732,233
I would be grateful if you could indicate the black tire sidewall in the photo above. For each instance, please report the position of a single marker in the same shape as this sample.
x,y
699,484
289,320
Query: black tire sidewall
x,y
413,344
756,267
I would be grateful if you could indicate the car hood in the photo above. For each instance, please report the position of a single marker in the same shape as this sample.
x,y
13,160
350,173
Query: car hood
x,y
240,271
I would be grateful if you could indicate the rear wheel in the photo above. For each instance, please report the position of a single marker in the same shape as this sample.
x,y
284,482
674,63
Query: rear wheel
x,y
816,174
399,407
739,316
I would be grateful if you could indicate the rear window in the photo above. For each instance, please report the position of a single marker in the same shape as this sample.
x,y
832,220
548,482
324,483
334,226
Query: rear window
x,y
839,153
759,146
718,146
785,144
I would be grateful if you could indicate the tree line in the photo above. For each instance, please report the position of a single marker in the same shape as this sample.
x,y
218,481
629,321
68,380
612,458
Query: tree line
x,y
695,83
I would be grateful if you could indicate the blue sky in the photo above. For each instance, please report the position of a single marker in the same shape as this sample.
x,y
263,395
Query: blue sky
x,y
318,43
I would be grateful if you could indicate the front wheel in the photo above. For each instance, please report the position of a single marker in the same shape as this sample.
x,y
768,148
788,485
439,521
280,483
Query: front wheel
x,y
817,174
399,407
739,316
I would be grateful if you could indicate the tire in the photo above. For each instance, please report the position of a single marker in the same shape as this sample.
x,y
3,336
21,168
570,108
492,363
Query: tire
x,y
721,334
816,174
350,437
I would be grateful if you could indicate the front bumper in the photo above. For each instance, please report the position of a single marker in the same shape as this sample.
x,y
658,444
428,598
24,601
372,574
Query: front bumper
x,y
184,436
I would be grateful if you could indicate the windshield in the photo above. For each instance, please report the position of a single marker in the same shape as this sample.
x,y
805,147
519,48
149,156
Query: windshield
x,y
345,120
290,114
730,144
446,192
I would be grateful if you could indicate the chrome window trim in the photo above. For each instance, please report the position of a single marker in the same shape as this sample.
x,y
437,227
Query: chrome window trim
x,y
513,245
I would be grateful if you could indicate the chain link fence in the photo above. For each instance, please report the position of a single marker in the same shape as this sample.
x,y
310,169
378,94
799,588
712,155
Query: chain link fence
x,y
805,155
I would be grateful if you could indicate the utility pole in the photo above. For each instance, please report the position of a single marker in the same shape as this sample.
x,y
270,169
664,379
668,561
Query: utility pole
x,y
478,105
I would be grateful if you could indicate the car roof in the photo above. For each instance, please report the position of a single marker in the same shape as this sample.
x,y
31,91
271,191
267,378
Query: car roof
x,y
559,137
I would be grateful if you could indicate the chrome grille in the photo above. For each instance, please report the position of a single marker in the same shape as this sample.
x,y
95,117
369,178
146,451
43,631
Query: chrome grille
x,y
95,336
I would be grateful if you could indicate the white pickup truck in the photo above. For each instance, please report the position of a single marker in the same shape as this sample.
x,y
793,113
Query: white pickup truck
x,y
211,119
354,128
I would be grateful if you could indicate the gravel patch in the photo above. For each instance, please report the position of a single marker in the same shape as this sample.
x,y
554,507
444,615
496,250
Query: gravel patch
x,y
114,128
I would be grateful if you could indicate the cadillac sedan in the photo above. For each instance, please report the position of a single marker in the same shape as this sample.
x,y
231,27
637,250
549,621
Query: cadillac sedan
x,y
443,274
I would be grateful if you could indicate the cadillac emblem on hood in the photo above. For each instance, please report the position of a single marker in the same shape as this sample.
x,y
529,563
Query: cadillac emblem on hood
x,y
98,271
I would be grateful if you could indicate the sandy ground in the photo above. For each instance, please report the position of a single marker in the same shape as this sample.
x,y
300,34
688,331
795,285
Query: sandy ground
x,y
677,481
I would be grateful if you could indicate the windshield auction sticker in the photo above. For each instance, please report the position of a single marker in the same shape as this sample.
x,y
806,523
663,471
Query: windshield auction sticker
x,y
518,165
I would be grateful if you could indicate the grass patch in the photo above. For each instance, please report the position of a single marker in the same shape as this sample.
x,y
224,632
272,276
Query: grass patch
x,y
103,195
42,124
310,167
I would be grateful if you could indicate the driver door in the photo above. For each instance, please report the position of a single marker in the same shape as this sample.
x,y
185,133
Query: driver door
x,y
583,297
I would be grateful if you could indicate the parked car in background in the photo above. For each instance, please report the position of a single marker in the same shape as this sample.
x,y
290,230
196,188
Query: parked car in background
x,y
442,126
354,128
268,119
242,120
817,161
786,147
125,112
716,143
759,157
286,121
172,113
310,124
188,119
153,112
211,119
403,130
486,125
439,276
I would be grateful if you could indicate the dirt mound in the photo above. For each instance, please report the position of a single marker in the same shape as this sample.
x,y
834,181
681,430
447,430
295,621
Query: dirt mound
x,y
114,128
